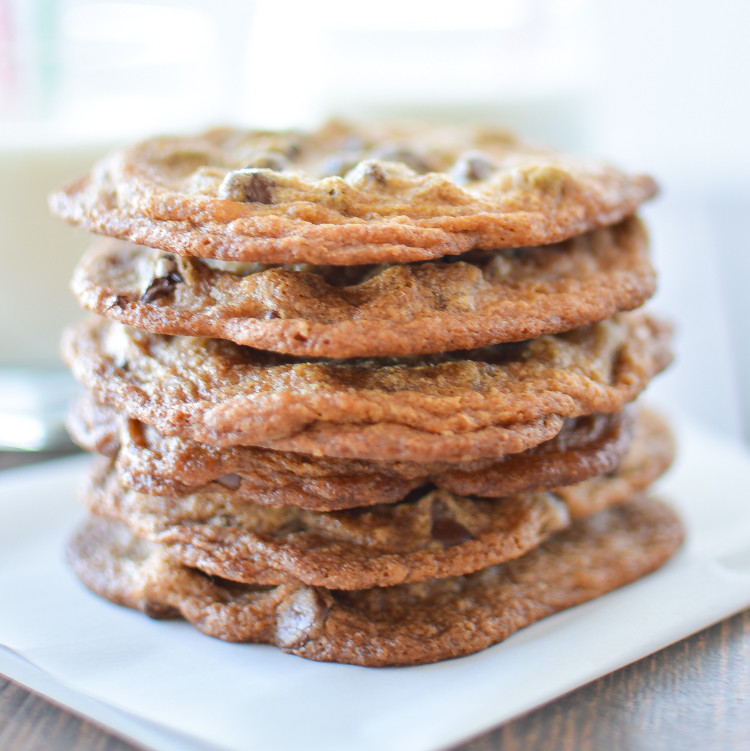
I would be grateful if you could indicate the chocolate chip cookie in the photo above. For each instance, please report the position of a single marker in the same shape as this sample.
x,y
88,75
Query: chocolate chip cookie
x,y
346,194
363,392
452,406
407,624
458,302
432,533
149,462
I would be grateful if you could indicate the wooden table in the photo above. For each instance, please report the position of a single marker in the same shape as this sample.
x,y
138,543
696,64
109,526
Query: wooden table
x,y
692,695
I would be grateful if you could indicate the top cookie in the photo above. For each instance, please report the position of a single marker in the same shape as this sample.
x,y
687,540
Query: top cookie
x,y
345,195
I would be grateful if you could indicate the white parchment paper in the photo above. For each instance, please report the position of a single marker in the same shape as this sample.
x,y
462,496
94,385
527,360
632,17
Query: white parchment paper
x,y
167,686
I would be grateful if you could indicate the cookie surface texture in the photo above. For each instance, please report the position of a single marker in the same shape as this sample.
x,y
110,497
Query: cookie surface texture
x,y
148,462
479,298
404,625
346,195
433,533
453,407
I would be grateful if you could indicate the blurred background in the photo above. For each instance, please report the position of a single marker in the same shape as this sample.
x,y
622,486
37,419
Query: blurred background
x,y
653,85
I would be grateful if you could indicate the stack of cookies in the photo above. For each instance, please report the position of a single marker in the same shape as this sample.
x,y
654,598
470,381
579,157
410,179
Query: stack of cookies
x,y
365,393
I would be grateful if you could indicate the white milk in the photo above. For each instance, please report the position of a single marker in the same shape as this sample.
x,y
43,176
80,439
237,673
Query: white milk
x,y
37,251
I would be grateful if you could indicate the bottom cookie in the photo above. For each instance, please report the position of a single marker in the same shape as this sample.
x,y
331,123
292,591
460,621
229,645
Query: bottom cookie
x,y
408,624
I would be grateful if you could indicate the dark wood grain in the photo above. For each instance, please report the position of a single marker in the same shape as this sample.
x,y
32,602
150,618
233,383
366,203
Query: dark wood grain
x,y
692,695
30,723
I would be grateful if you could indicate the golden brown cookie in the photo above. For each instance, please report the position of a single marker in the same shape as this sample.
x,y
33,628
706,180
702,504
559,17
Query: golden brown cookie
x,y
151,463
432,533
479,298
452,407
407,624
346,195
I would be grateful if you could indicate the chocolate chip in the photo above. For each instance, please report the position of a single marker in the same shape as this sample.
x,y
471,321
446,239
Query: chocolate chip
x,y
367,171
118,301
162,286
272,315
472,166
301,617
157,610
247,186
166,264
166,277
230,481
377,173
445,529
393,153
